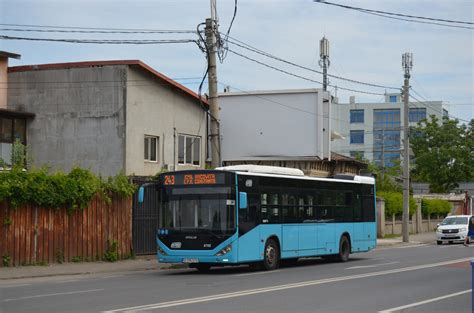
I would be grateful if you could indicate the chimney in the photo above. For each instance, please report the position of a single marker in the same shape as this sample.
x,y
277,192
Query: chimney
x,y
4,56
352,99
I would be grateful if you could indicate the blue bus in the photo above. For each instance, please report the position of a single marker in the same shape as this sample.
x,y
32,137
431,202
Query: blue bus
x,y
261,215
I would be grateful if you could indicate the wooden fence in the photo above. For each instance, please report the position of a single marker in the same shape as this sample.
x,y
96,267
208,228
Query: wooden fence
x,y
34,235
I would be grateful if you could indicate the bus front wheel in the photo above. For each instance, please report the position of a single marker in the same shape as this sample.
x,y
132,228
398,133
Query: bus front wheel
x,y
344,249
271,255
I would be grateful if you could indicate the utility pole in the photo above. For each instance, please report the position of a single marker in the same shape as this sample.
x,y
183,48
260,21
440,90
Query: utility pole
x,y
407,63
210,31
324,61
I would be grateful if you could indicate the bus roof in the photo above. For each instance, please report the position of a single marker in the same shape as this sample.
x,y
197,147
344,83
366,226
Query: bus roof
x,y
285,172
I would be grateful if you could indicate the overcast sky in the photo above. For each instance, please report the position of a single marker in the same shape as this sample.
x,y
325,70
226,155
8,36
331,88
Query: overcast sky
x,y
363,47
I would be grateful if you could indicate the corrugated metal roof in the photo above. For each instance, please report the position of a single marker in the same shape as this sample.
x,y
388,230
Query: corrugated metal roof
x,y
140,64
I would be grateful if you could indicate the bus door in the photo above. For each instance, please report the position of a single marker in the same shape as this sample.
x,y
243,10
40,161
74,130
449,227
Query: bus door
x,y
326,231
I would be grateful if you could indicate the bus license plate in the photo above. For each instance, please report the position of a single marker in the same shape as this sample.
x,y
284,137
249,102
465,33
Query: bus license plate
x,y
190,260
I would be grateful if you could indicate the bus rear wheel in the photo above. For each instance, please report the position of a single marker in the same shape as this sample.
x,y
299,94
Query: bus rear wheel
x,y
344,249
271,255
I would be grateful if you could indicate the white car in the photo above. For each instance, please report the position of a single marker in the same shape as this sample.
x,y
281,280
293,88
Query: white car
x,y
453,228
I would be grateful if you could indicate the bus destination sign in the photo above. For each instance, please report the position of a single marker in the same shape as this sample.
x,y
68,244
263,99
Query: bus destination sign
x,y
193,179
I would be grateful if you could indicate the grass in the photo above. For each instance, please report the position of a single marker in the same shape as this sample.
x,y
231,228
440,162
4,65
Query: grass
x,y
391,236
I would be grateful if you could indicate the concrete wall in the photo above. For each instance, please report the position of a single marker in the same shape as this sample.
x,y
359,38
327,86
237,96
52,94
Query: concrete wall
x,y
156,109
273,123
3,80
341,123
80,116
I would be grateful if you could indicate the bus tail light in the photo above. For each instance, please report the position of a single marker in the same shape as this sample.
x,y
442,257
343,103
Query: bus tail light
x,y
225,250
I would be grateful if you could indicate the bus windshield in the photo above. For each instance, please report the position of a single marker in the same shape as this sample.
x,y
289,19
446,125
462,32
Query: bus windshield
x,y
203,210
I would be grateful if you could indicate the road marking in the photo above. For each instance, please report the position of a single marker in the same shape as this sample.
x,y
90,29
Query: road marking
x,y
13,286
257,273
241,293
52,294
413,246
425,302
66,281
369,266
112,276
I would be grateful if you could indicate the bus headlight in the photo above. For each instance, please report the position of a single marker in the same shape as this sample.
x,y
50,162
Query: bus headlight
x,y
225,250
161,251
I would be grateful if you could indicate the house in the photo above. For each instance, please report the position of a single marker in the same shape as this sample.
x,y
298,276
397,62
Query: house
x,y
12,122
289,128
110,117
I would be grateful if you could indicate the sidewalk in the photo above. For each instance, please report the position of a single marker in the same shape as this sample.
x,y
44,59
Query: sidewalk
x,y
141,263
146,263
421,238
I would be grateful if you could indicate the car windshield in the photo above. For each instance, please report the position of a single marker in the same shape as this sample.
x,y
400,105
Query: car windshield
x,y
454,221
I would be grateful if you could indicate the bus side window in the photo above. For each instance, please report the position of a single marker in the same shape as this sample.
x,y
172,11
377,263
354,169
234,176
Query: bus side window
x,y
357,207
274,216
264,207
368,208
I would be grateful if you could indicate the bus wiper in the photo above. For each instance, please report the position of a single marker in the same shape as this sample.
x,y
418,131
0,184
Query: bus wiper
x,y
211,232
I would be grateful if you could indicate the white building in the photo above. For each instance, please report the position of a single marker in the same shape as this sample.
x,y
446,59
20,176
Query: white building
x,y
282,123
374,130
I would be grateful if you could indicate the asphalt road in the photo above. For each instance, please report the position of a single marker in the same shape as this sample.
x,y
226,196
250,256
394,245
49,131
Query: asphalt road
x,y
422,278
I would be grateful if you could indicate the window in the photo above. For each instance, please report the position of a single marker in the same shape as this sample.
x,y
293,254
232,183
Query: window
x,y
417,114
357,116
11,130
357,136
189,150
151,148
393,99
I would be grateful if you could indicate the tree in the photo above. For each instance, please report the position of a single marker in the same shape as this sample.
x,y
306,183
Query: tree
x,y
444,153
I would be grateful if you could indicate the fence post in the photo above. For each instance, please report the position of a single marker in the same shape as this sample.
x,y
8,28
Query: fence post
x,y
380,218
35,238
393,224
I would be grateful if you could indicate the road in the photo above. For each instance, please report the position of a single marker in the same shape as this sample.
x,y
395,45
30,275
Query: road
x,y
421,278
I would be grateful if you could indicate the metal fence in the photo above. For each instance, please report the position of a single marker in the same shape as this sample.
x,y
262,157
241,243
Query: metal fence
x,y
144,220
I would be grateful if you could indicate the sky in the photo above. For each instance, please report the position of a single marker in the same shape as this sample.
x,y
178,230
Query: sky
x,y
363,47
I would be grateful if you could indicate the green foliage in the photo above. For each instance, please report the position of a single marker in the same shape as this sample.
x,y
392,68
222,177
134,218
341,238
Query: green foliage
x,y
7,221
6,259
74,190
59,256
444,153
435,206
394,203
388,179
111,254
20,155
77,259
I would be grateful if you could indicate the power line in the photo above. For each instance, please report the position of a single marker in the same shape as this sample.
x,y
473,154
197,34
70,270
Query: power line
x,y
266,54
299,76
415,21
94,28
394,14
103,41
98,31
435,109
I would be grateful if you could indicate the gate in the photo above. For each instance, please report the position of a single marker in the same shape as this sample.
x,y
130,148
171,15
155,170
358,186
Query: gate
x,y
144,220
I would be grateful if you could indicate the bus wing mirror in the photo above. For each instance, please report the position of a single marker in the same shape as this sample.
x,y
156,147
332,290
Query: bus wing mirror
x,y
242,200
141,194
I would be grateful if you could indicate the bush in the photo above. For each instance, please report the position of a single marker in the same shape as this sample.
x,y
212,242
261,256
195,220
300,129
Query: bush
x,y
435,206
74,190
394,203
